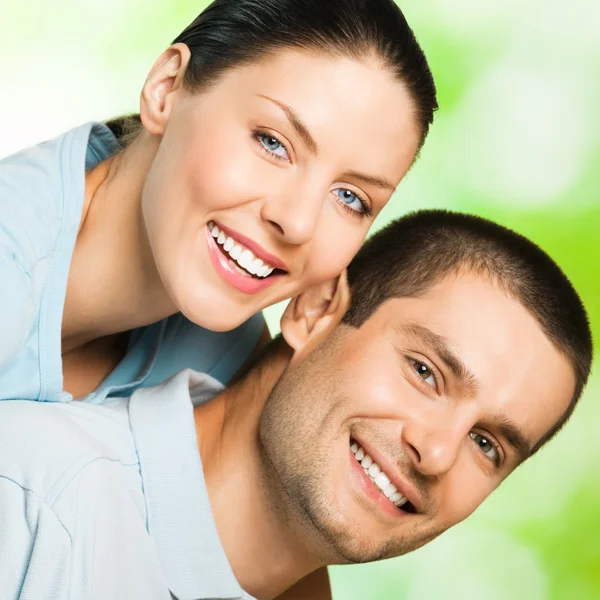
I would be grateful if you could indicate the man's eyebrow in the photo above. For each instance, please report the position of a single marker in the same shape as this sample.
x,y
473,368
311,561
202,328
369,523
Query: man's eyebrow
x,y
443,348
297,124
513,435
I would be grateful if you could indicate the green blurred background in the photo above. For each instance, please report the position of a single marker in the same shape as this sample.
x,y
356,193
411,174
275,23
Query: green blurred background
x,y
517,139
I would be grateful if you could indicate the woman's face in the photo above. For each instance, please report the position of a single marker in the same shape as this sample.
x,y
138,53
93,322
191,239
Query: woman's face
x,y
287,162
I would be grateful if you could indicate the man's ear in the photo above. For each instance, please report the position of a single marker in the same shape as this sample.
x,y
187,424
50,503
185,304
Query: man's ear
x,y
314,314
165,77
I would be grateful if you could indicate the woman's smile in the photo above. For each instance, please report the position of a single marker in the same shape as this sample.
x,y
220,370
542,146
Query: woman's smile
x,y
240,261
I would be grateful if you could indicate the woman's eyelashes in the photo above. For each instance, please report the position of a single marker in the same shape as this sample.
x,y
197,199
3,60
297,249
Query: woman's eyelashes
x,y
352,202
271,145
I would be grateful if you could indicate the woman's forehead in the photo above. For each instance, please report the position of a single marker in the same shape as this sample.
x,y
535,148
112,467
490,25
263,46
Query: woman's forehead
x,y
345,103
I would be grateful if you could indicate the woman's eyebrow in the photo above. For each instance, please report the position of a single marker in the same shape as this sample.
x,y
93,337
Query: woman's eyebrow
x,y
297,124
381,182
310,142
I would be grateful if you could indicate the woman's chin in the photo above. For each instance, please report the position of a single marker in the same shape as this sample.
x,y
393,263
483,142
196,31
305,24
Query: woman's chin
x,y
218,315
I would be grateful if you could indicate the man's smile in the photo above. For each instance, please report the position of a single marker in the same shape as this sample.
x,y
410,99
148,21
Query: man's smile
x,y
383,486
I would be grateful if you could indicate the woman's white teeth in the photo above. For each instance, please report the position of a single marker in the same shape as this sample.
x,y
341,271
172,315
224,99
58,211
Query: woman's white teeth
x,y
255,265
378,477
244,257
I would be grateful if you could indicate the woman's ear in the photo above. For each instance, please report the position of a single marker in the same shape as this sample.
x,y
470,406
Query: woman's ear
x,y
311,316
165,77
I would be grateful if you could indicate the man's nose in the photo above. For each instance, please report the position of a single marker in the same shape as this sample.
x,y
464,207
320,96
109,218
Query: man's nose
x,y
294,214
434,447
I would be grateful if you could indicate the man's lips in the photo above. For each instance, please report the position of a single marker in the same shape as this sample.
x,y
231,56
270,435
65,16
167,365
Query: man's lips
x,y
254,247
402,485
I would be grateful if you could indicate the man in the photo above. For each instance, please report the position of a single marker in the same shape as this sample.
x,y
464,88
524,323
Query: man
x,y
388,412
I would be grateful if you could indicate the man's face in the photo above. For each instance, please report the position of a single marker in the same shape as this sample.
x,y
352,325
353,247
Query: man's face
x,y
446,393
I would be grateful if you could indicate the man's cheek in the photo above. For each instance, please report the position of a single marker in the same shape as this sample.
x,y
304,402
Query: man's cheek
x,y
460,499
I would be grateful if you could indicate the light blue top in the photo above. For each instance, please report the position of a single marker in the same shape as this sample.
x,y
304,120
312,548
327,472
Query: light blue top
x,y
109,502
41,201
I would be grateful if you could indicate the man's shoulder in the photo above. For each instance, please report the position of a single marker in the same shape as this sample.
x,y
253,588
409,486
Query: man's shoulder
x,y
46,447
73,518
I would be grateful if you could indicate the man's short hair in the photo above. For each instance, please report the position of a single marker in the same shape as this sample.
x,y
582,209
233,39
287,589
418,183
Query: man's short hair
x,y
415,252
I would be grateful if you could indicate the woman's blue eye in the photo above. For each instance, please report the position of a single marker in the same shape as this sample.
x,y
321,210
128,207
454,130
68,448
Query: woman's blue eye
x,y
350,199
273,145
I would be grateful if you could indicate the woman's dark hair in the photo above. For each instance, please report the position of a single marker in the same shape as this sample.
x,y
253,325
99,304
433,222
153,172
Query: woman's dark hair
x,y
231,33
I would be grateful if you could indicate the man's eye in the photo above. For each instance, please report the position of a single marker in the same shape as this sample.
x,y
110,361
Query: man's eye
x,y
486,446
424,372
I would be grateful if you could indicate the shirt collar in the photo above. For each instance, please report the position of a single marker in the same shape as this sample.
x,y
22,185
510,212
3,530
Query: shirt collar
x,y
179,516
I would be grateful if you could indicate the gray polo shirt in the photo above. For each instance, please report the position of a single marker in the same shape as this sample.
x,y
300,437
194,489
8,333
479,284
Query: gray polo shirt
x,y
109,501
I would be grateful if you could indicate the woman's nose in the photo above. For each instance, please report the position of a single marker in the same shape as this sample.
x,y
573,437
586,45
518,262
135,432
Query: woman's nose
x,y
294,216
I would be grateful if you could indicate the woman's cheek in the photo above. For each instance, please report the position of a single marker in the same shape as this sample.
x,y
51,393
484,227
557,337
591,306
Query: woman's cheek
x,y
225,180
337,246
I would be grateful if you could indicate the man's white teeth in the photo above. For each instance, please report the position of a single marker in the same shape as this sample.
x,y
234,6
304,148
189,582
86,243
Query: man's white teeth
x,y
378,477
244,257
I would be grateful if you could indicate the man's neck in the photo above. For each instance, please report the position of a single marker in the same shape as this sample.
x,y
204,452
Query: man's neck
x,y
262,540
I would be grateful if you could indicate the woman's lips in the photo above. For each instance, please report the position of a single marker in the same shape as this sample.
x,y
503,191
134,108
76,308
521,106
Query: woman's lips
x,y
225,268
254,247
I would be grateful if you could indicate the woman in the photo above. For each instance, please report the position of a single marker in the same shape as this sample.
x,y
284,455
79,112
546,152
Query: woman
x,y
270,135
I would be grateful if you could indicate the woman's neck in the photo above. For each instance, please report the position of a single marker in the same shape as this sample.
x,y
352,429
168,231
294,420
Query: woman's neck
x,y
113,283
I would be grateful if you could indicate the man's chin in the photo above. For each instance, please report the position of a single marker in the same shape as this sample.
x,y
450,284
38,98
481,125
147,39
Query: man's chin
x,y
345,542
363,550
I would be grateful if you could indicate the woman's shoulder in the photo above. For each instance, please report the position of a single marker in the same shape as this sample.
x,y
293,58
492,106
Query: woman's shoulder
x,y
41,198
39,187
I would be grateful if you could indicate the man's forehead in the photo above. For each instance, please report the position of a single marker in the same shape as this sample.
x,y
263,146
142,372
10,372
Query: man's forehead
x,y
453,306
